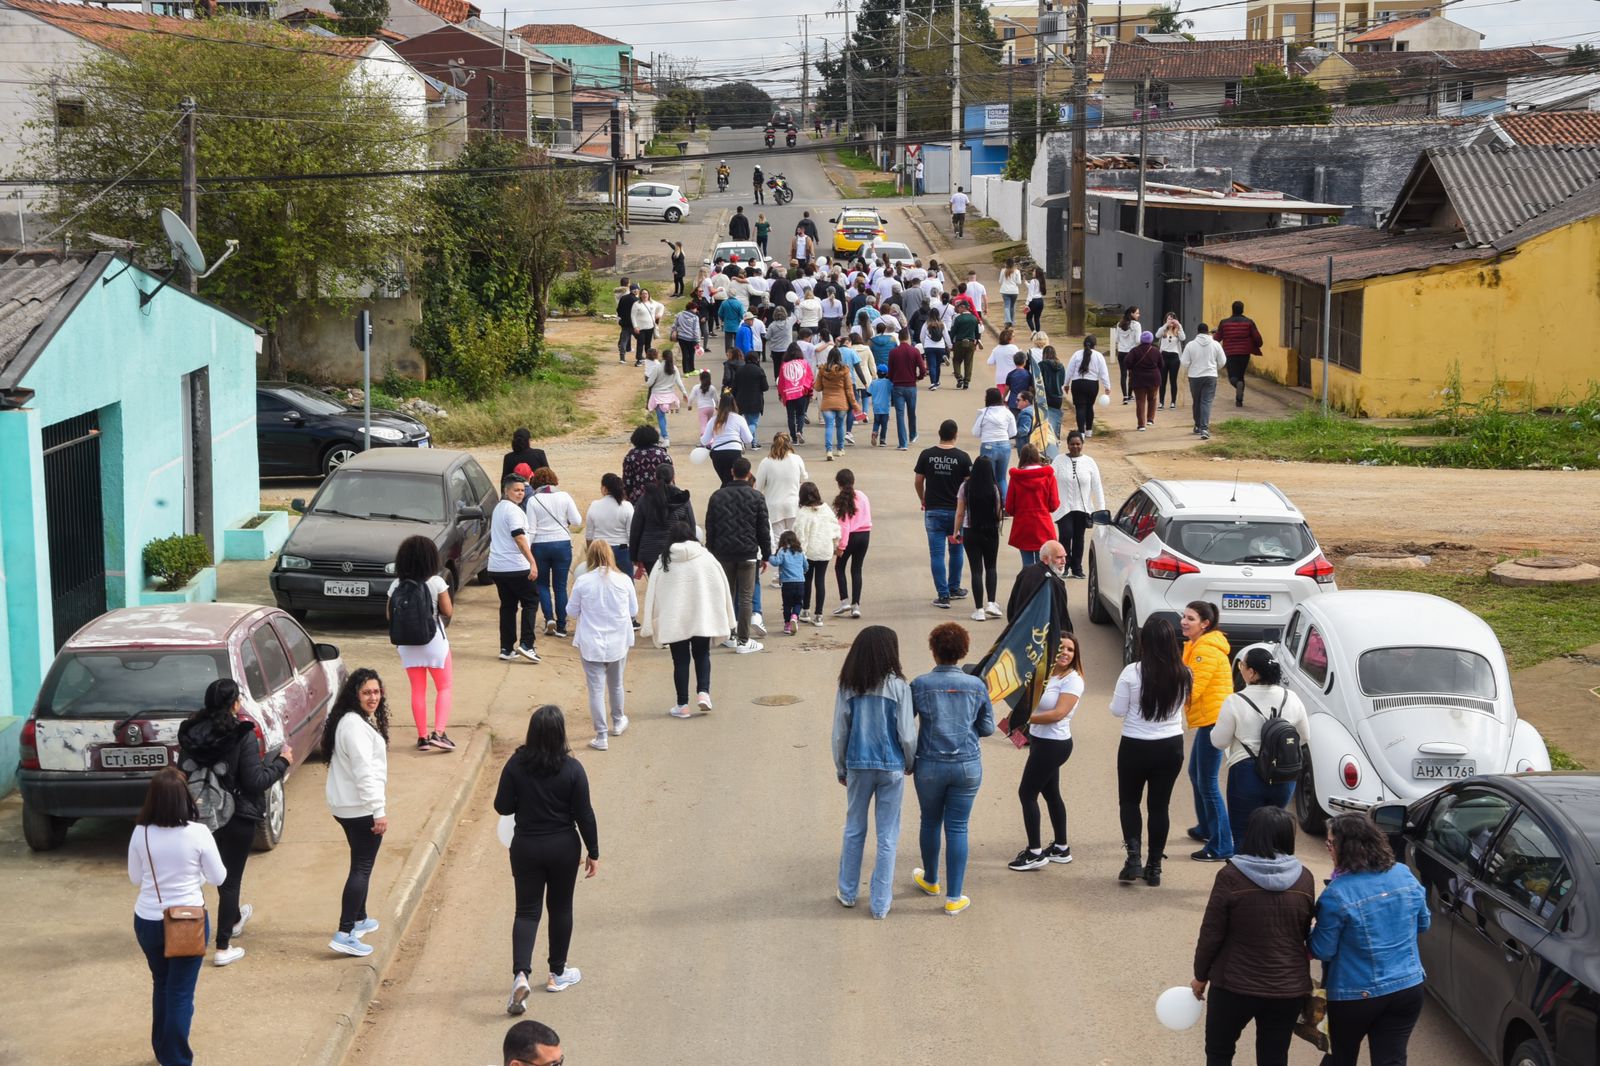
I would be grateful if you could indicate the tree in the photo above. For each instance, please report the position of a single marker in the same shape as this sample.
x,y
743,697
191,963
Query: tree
x,y
674,108
359,18
1583,55
285,109
1167,20
1368,91
737,103
1270,97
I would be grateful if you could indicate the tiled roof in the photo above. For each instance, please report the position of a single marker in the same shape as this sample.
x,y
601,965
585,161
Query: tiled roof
x,y
109,28
1551,127
452,11
1358,252
1190,60
595,96
30,288
1387,30
562,33
1495,190
1524,60
1374,115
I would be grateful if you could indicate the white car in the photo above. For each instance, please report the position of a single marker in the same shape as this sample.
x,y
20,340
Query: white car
x,y
652,199
1404,692
1243,547
742,252
899,254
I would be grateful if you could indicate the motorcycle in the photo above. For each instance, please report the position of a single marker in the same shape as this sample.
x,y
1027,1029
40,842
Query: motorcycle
x,y
788,138
722,181
772,136
780,189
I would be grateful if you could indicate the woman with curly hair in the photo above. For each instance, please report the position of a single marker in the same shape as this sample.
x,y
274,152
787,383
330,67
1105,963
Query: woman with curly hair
x,y
355,743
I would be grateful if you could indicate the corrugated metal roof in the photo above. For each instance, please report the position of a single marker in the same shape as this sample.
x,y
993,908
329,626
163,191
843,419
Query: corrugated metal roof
x,y
1358,252
1580,205
30,288
1495,190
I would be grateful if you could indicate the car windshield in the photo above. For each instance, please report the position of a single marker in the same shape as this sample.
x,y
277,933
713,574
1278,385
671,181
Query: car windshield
x,y
124,684
382,494
1396,671
1241,542
893,251
859,221
313,402
743,251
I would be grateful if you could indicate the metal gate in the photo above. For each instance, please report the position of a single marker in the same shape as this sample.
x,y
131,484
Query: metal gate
x,y
1174,283
76,532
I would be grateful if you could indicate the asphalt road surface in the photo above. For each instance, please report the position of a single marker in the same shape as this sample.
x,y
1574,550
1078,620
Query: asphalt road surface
x,y
711,934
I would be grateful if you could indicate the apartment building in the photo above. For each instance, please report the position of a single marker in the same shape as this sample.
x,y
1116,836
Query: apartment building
x,y
1328,24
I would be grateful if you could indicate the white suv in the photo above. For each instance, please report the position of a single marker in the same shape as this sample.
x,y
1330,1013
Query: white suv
x,y
1243,547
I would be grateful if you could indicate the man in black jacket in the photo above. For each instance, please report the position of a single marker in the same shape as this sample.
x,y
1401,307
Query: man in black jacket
x,y
627,296
739,225
749,390
739,534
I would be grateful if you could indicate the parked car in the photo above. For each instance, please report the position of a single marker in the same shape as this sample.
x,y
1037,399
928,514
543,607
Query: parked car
x,y
340,555
1508,864
856,226
304,432
652,199
742,252
107,716
1403,690
899,254
1242,546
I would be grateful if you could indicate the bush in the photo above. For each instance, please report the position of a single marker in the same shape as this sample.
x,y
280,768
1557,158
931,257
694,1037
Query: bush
x,y
487,350
576,292
174,561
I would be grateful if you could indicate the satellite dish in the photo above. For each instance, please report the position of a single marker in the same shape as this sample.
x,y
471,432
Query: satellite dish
x,y
184,247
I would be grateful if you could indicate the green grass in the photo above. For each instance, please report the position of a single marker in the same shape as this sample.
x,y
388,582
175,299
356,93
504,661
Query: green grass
x,y
1483,436
853,159
1561,758
664,145
547,402
880,190
1533,624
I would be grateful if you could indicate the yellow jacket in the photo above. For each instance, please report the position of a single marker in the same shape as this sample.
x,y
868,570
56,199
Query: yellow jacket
x,y
1207,660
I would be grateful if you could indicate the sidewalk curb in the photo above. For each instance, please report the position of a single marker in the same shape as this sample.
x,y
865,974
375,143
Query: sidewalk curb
x,y
360,987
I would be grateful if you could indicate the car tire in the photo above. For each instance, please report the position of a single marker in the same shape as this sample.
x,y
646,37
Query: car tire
x,y
674,215
1528,1053
452,581
269,831
43,832
337,455
1130,635
483,577
1307,807
1097,607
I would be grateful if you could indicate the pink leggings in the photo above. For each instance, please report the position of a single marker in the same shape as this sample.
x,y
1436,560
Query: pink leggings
x,y
418,676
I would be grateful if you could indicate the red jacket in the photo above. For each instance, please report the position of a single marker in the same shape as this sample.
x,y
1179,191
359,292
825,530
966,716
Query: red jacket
x,y
1031,498
1238,336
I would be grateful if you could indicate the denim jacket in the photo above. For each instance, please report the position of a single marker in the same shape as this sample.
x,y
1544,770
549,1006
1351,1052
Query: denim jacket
x,y
955,711
1367,928
874,730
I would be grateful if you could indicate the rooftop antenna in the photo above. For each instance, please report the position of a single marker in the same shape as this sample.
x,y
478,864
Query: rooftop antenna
x,y
185,253
1235,497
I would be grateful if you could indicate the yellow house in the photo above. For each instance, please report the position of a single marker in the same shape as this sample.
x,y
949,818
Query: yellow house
x,y
1487,271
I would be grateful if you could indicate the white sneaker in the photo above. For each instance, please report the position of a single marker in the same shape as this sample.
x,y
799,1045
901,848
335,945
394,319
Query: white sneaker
x,y
680,712
245,911
992,609
226,956
848,439
816,620
855,611
549,627
703,701
758,626
748,647
842,609
560,982
517,1002
599,744
620,726
731,643
980,616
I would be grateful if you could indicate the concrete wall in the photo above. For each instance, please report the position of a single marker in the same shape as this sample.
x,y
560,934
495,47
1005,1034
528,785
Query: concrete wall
x,y
601,65
24,567
1124,268
319,341
32,53
1185,97
1438,35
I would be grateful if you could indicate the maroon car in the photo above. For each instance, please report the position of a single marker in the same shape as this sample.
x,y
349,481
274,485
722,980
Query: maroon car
x,y
108,712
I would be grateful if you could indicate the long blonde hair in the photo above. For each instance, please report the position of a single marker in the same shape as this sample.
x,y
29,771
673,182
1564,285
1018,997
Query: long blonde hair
x,y
598,556
780,446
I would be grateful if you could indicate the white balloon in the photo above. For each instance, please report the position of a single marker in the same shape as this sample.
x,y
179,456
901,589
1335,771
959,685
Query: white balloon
x,y
1104,400
1176,1008
699,455
507,826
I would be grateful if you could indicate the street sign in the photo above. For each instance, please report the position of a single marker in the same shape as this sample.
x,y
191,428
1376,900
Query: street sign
x,y
913,149
996,116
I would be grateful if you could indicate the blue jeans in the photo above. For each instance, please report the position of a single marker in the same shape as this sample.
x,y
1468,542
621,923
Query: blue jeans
x,y
905,411
1028,558
884,790
1053,416
172,992
619,552
833,430
939,524
661,423
555,565
999,453
1010,301
933,355
753,421
1247,793
946,792
1205,762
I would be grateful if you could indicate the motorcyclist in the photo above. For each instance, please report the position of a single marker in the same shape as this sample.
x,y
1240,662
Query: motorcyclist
x,y
760,181
723,174
789,136
772,135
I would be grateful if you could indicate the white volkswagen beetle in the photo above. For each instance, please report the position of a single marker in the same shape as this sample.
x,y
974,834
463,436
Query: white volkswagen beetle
x,y
1404,691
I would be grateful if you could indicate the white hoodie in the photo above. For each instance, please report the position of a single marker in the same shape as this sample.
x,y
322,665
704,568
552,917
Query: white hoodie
x,y
358,770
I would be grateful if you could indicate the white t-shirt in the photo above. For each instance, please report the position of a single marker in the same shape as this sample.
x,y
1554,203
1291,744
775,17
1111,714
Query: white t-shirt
x,y
1125,705
551,515
186,858
978,295
505,525
1002,358
1054,689
958,203
433,653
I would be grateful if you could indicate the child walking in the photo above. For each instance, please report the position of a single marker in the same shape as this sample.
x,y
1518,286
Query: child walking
x,y
790,560
882,392
820,536
705,399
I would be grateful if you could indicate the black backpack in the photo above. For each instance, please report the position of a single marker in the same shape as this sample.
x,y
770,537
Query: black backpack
x,y
1281,758
213,798
411,613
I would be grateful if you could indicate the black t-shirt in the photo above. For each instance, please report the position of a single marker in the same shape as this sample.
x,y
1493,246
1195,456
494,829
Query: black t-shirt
x,y
943,470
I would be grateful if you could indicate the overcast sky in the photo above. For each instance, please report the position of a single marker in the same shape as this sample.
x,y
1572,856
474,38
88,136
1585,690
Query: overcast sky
x,y
739,38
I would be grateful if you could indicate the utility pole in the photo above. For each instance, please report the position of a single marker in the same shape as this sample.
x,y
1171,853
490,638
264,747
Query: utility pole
x,y
191,183
1041,55
849,78
1077,207
805,68
900,106
956,122
1144,168
1011,121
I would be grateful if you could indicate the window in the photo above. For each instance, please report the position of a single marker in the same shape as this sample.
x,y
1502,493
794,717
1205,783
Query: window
x,y
1398,671
1344,338
117,684
302,653
1327,18
254,679
1314,657
1010,33
1457,91
1241,543
1156,97
1291,633
1527,868
269,408
1288,24
1126,517
71,114
1463,823
479,481
1140,31
1105,31
1230,92
460,491
274,663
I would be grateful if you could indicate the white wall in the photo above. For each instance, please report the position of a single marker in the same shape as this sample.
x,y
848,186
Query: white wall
x,y
32,52
1004,201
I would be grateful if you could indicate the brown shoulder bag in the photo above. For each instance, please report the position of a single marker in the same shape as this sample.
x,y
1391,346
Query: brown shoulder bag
x,y
183,927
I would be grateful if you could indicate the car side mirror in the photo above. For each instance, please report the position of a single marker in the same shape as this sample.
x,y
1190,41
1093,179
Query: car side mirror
x,y
291,416
297,505
327,653
833,220
469,513
1390,817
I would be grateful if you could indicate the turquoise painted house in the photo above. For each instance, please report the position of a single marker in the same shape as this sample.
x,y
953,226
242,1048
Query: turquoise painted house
x,y
596,60
120,422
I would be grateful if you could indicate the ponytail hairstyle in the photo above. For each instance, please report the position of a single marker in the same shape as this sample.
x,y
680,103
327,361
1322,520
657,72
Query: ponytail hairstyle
x,y
705,381
728,406
1265,664
611,485
1207,611
1127,317
844,504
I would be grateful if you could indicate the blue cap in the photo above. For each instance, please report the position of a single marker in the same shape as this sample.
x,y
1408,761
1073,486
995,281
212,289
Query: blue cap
x,y
883,368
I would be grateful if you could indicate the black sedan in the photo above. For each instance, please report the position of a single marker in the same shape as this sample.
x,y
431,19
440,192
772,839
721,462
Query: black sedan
x,y
340,555
304,432
1509,867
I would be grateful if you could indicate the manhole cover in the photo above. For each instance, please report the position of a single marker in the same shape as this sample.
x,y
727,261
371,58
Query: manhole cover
x,y
1547,562
781,700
